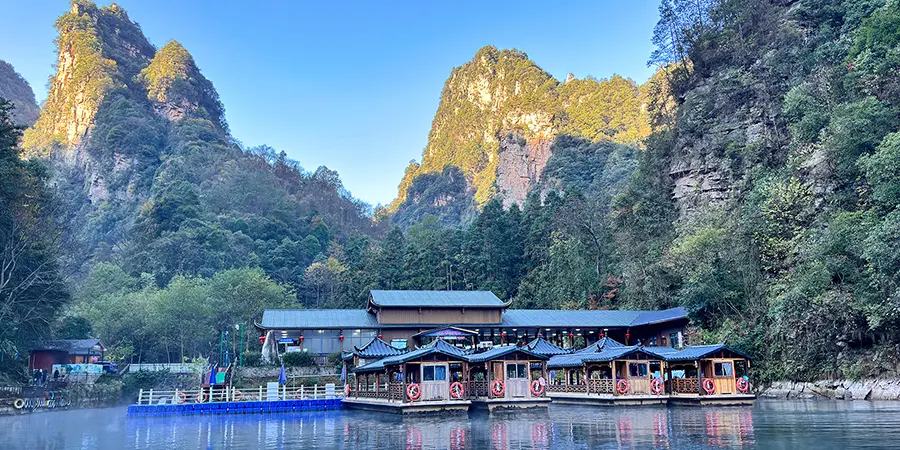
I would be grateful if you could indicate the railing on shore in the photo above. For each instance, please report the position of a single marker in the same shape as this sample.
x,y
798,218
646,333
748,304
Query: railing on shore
x,y
685,385
235,394
170,367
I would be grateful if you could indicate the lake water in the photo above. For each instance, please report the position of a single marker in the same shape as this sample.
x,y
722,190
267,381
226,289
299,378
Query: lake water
x,y
767,425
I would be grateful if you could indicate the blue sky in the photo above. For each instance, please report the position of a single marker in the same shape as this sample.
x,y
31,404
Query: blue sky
x,y
352,86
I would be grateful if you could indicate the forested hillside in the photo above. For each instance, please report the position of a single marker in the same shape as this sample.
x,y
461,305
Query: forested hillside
x,y
18,93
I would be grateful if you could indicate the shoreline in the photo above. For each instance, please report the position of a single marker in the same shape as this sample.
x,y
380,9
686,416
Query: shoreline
x,y
866,389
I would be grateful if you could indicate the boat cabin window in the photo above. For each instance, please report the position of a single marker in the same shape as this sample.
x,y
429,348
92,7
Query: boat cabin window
x,y
434,373
637,370
723,369
740,368
516,371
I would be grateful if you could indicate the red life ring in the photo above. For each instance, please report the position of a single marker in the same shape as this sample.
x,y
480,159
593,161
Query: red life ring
x,y
656,386
413,391
237,395
743,385
622,386
498,388
456,390
202,397
298,394
709,386
537,389
181,397
347,390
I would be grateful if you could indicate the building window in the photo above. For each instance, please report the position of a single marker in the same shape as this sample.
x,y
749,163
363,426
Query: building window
x,y
399,343
637,370
434,373
723,369
516,371
675,339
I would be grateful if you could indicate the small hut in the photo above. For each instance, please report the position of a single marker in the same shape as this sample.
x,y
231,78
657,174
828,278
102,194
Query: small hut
x,y
507,373
422,375
708,370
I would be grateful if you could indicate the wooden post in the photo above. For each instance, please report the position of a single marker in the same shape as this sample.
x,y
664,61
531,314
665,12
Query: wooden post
x,y
699,377
587,382
315,391
403,383
150,400
377,383
260,394
141,396
614,381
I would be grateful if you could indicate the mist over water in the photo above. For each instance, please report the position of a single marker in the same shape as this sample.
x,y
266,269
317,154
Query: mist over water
x,y
768,424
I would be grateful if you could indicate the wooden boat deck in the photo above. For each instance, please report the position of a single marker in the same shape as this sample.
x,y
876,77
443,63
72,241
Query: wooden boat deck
x,y
713,399
443,406
571,398
510,404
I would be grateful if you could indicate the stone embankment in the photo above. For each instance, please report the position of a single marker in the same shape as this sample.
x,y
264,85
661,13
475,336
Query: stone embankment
x,y
835,389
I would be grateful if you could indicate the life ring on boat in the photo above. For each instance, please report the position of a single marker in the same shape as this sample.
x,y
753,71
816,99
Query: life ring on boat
x,y
181,397
498,388
413,391
456,390
347,390
19,403
656,386
622,386
298,394
237,395
202,397
709,386
743,385
537,389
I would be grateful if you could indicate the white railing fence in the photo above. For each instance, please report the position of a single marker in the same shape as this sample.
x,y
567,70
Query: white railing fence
x,y
235,394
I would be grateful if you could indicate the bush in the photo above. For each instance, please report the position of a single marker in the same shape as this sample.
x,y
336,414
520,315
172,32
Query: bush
x,y
298,359
252,359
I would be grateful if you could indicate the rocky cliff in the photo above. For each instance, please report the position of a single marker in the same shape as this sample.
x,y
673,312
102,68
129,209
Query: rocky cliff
x,y
500,114
17,91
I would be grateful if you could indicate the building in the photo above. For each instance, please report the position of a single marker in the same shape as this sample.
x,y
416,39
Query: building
x,y
466,319
69,351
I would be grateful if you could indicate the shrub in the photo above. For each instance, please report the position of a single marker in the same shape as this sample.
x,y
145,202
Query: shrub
x,y
298,359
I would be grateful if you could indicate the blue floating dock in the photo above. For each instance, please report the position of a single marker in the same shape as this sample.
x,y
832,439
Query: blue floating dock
x,y
236,407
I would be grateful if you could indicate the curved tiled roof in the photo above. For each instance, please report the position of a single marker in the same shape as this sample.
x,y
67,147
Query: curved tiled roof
x,y
497,352
605,343
542,347
376,348
693,352
438,346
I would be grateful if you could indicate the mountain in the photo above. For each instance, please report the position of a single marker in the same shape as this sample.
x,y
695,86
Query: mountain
x,y
497,122
150,176
17,91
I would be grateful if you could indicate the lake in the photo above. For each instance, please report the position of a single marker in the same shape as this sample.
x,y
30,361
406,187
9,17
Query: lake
x,y
768,425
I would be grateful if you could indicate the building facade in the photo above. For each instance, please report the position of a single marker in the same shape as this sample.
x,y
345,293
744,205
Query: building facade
x,y
466,319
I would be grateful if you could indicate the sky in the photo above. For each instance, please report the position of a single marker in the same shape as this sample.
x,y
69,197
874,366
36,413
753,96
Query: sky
x,y
352,86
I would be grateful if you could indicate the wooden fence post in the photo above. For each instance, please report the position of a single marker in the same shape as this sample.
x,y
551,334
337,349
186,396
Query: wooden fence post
x,y
141,396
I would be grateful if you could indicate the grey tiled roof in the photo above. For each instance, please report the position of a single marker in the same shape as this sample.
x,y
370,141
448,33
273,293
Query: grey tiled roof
x,y
512,318
554,318
318,318
606,354
497,352
69,345
376,348
542,347
436,299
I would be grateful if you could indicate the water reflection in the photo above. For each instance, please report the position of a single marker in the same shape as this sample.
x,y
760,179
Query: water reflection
x,y
766,425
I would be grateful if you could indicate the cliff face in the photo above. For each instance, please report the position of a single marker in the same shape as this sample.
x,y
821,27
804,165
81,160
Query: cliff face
x,y
109,116
98,50
500,114
16,90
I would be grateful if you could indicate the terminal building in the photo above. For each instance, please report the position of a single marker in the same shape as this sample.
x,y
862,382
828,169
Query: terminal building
x,y
464,319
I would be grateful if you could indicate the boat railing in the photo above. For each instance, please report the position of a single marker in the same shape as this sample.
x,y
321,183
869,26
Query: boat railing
x,y
685,385
235,394
602,386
